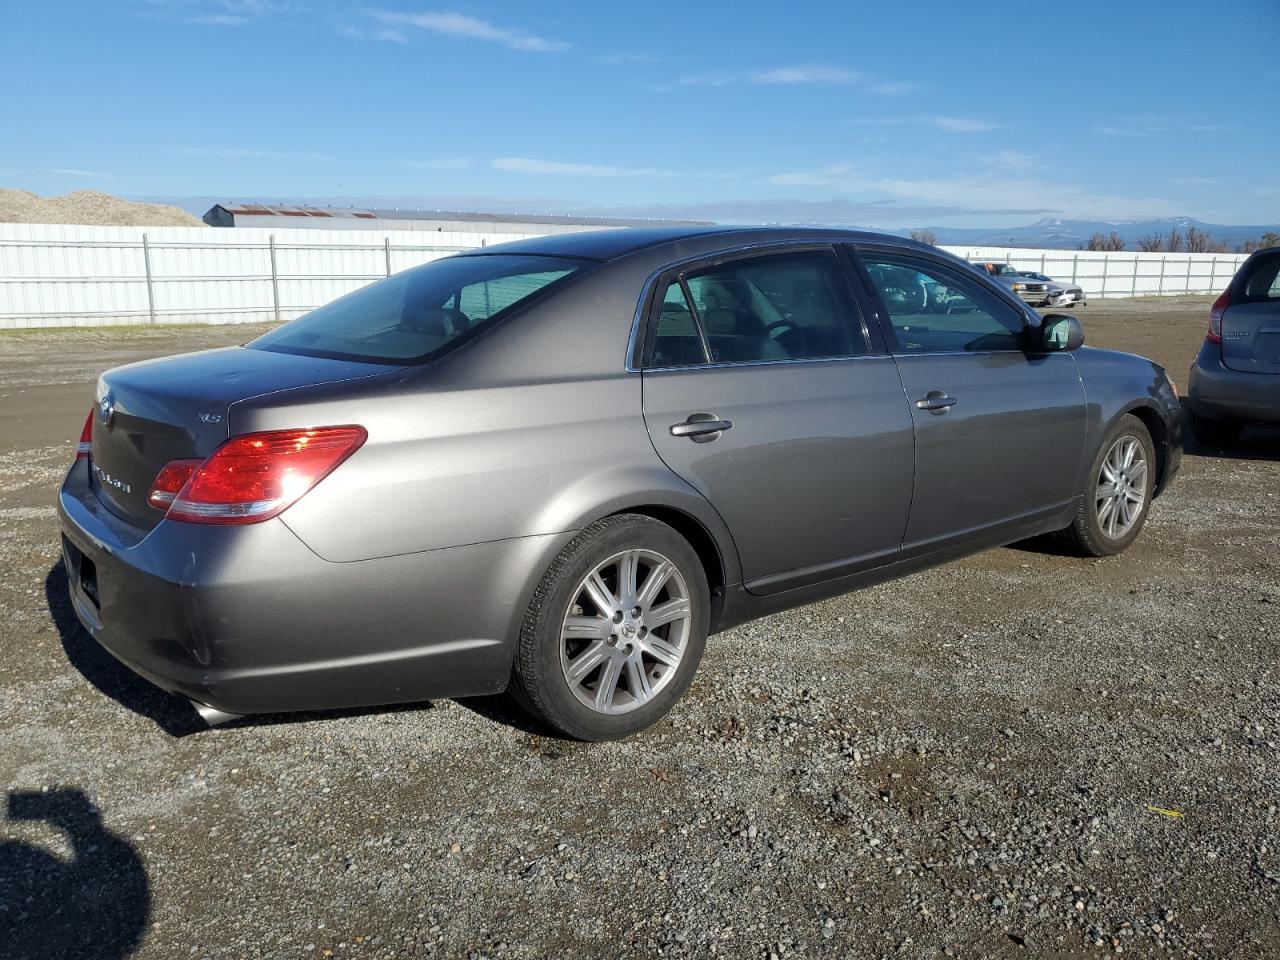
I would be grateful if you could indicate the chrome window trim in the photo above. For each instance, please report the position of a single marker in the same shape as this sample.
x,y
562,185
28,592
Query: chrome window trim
x,y
769,363
646,293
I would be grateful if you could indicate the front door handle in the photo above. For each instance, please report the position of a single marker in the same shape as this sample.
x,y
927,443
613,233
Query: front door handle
x,y
701,427
935,401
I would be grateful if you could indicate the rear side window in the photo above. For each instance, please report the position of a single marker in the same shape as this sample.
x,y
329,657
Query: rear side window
x,y
934,310
1263,281
422,313
793,306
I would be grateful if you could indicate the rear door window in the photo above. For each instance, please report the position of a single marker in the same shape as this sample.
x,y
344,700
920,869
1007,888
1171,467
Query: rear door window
x,y
422,313
788,306
1263,281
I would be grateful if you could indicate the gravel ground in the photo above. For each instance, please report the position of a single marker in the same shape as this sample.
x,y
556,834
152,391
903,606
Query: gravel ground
x,y
1018,754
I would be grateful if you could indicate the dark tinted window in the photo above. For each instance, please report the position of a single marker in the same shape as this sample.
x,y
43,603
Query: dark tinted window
x,y
420,313
1263,281
791,306
676,341
936,311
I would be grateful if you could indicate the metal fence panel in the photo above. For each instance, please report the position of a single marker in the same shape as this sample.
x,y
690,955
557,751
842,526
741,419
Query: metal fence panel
x,y
65,275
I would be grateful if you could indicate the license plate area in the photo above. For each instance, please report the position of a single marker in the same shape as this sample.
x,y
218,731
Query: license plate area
x,y
81,571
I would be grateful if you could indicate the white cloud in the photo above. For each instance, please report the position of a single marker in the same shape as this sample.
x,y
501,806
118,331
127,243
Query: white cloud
x,y
807,73
553,168
220,19
82,174
1014,160
461,25
988,192
712,79
960,124
949,124
1149,125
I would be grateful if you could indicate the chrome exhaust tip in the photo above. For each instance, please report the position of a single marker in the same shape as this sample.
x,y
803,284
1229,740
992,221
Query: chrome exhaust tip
x,y
212,716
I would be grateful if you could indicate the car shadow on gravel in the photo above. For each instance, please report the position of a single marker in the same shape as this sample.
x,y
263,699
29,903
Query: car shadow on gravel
x,y
92,905
1256,443
502,708
172,714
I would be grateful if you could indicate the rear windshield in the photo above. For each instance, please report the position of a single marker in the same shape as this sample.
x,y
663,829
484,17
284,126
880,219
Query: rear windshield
x,y
422,313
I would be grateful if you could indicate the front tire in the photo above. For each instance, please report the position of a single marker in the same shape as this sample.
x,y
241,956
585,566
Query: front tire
x,y
1217,434
1113,504
615,630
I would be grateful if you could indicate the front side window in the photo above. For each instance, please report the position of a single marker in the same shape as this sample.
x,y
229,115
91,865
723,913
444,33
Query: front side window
x,y
419,314
790,306
933,310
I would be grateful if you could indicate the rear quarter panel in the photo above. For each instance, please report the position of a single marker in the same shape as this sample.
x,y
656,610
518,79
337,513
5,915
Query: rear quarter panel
x,y
534,428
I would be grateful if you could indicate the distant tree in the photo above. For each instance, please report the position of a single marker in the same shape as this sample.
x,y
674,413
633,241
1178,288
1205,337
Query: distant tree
x,y
1198,241
1268,239
1151,243
1173,242
1109,242
925,236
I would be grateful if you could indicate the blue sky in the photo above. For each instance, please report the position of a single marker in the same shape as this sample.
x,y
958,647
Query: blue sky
x,y
872,113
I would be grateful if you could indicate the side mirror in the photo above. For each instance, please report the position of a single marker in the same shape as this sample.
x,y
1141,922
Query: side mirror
x,y
1060,331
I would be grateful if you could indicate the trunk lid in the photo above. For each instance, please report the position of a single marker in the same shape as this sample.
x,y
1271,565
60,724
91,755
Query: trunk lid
x,y
176,408
1251,337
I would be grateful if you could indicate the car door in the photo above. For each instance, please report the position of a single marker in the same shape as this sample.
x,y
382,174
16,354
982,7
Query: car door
x,y
767,392
999,427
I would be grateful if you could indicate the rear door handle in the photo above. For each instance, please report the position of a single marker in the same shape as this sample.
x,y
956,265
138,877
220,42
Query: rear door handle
x,y
935,401
701,427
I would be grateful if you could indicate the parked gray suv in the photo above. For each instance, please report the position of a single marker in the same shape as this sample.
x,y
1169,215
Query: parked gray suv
x,y
558,465
1235,379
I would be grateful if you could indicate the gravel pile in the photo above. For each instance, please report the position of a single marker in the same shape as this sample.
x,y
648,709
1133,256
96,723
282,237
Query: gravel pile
x,y
90,207
1015,755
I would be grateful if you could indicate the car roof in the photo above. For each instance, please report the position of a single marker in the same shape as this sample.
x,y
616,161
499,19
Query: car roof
x,y
605,245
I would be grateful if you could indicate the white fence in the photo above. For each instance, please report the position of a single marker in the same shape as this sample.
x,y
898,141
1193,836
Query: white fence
x,y
72,276
77,276
1121,274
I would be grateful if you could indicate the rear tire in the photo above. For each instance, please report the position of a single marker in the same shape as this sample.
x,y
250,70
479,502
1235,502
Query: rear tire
x,y
615,630
1215,433
1112,506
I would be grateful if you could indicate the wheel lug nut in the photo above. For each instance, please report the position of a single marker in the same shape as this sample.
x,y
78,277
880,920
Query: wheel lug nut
x,y
617,616
635,612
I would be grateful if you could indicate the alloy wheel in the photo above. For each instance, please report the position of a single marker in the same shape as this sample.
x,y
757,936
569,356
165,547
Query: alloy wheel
x,y
1122,487
626,631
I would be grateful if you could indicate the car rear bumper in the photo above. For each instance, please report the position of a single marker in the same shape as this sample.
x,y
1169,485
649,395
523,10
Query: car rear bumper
x,y
1216,392
1067,298
247,619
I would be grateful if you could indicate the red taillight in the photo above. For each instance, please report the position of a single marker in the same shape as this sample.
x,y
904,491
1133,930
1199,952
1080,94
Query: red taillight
x,y
1215,316
170,482
86,437
254,476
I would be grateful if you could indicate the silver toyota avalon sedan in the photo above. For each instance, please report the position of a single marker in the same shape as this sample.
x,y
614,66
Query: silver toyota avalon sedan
x,y
558,465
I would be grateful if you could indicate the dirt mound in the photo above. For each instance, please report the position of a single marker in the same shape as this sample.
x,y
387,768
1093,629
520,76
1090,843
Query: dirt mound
x,y
89,207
